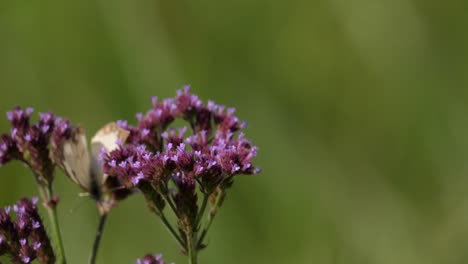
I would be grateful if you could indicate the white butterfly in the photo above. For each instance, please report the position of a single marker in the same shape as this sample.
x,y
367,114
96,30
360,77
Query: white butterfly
x,y
84,167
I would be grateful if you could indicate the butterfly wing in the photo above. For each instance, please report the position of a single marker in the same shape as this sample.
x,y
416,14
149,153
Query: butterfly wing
x,y
75,160
106,138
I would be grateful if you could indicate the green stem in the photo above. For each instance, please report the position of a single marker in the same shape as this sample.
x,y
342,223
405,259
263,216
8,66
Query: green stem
x,y
97,240
211,216
203,234
51,207
192,250
171,204
171,229
202,210
58,236
153,199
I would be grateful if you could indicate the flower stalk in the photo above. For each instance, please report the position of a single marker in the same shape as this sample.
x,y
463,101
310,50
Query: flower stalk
x,y
211,216
50,204
192,250
171,230
52,213
97,239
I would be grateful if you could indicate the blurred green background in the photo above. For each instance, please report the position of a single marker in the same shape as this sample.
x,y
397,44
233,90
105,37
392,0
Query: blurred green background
x,y
359,109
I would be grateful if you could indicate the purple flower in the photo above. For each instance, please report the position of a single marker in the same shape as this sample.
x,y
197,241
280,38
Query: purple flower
x,y
30,143
173,137
187,103
26,253
151,259
134,165
37,245
19,119
36,224
3,246
25,258
8,230
123,164
8,149
168,164
135,180
25,239
62,132
112,163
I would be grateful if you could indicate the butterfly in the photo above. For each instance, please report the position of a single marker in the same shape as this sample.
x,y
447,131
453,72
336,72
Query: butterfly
x,y
83,167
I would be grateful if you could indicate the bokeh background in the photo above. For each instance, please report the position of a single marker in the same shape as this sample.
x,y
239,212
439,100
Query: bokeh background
x,y
359,109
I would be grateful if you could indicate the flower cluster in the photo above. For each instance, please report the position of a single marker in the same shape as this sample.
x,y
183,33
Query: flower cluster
x,y
25,238
151,259
30,143
155,152
157,156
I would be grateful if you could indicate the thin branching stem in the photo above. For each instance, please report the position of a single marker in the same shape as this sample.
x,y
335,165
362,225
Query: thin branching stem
x,y
202,209
166,195
171,204
171,229
211,216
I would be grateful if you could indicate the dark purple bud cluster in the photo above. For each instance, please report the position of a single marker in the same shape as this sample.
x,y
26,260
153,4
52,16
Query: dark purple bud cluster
x,y
151,259
24,239
62,132
8,149
186,203
30,143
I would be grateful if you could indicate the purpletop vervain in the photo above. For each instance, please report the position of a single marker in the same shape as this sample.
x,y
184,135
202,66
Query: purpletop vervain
x,y
168,163
24,239
30,143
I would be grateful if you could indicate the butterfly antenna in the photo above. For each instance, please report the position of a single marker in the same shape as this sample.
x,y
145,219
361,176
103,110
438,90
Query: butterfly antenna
x,y
78,202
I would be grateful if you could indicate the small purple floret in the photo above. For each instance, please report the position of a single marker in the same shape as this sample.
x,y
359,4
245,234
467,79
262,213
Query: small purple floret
x,y
151,259
36,245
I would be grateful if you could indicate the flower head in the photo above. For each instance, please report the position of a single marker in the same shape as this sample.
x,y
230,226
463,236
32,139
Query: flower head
x,y
168,162
207,154
29,143
25,239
